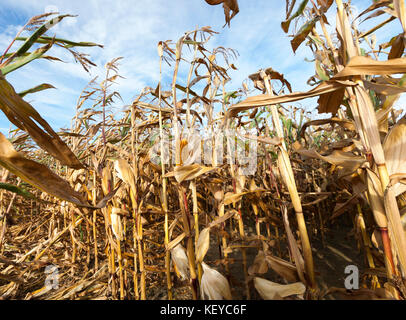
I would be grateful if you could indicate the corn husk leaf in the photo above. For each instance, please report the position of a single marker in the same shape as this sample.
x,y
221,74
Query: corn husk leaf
x,y
203,244
375,197
214,286
269,290
394,148
116,224
180,260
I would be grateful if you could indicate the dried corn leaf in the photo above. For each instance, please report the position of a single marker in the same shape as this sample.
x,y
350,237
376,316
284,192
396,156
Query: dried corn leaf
x,y
25,117
346,160
259,266
269,290
36,174
294,249
266,99
283,268
360,65
228,5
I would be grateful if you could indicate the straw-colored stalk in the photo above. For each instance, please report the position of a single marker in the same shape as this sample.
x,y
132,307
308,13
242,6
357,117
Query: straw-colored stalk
x,y
367,245
285,168
181,190
189,241
164,182
137,237
196,219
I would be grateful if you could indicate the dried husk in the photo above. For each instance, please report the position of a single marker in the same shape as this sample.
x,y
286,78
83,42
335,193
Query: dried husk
x,y
116,224
375,198
269,290
203,244
214,286
394,148
180,260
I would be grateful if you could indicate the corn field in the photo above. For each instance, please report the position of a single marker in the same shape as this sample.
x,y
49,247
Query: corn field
x,y
198,192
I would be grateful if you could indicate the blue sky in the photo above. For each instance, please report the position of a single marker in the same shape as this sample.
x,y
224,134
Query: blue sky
x,y
132,29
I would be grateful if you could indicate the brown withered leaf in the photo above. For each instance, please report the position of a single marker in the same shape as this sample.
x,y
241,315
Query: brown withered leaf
x,y
256,78
229,6
25,117
294,249
37,174
347,124
385,89
360,65
330,102
266,99
303,32
398,47
346,160
259,265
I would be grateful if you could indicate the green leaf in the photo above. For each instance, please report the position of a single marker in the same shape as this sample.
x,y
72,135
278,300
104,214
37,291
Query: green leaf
x,y
38,33
67,43
320,72
25,59
285,24
17,190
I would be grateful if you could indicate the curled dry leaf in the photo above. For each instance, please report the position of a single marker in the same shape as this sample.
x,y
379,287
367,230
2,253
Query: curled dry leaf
x,y
214,286
230,8
269,290
260,266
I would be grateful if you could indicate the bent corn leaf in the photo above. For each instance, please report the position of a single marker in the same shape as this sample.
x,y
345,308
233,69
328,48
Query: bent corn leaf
x,y
36,174
25,117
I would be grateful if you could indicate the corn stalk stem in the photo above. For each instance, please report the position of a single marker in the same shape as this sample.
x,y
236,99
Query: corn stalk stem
x,y
288,176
